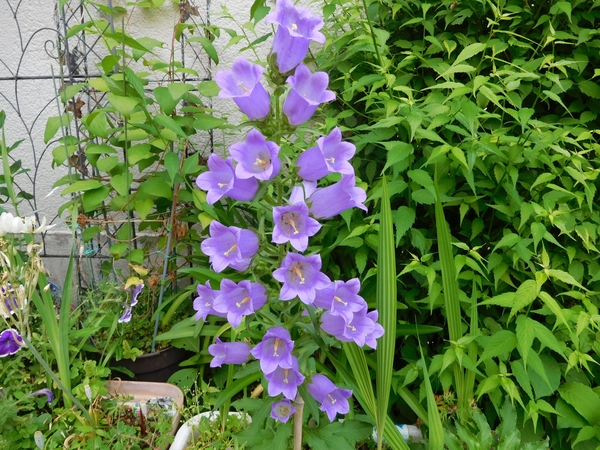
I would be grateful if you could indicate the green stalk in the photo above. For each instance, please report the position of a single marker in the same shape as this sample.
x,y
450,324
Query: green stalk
x,y
8,180
451,292
436,431
386,306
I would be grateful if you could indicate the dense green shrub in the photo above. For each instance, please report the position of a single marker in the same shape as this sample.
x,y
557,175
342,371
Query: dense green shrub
x,y
498,100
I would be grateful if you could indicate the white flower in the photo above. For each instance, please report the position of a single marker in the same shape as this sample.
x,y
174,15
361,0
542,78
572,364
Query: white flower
x,y
12,224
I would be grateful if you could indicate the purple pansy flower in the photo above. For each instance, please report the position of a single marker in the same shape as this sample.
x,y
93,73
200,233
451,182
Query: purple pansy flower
x,y
330,155
301,276
355,330
229,247
285,381
341,298
256,157
308,92
293,225
297,27
239,300
242,84
228,353
282,410
128,312
203,304
333,399
47,392
275,350
10,342
328,202
220,180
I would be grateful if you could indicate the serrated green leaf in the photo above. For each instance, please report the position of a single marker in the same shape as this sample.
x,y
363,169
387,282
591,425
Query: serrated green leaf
x,y
525,295
498,344
583,398
469,51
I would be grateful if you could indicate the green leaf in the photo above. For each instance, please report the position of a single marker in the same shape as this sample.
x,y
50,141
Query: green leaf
x,y
208,47
207,122
469,51
386,300
170,124
53,124
525,295
80,186
583,398
554,307
525,336
209,88
122,104
157,187
498,344
171,162
404,218
422,178
121,182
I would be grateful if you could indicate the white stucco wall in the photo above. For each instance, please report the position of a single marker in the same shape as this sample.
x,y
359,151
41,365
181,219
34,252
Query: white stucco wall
x,y
28,31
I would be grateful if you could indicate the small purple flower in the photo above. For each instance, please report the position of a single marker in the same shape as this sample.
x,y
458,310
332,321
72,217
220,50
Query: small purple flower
x,y
356,330
242,84
371,338
293,225
256,157
328,202
220,180
228,353
330,155
301,276
203,304
297,27
341,298
333,399
308,92
285,381
239,300
47,392
135,293
229,247
275,350
127,313
10,342
282,410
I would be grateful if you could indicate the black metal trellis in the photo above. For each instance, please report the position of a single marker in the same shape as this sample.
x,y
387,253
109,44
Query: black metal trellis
x,y
38,61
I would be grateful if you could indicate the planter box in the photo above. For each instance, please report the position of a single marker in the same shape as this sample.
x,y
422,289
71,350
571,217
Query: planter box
x,y
157,366
142,391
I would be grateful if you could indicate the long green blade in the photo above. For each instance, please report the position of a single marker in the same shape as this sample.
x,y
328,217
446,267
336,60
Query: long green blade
x,y
386,306
436,431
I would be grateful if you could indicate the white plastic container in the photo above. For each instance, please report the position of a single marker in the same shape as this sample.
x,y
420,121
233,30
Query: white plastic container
x,y
187,432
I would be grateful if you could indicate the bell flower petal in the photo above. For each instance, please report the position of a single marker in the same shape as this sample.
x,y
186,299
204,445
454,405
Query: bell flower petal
x,y
229,247
330,155
256,157
239,300
282,410
275,350
333,399
301,277
293,225
297,28
308,92
220,180
328,202
242,84
285,381
228,353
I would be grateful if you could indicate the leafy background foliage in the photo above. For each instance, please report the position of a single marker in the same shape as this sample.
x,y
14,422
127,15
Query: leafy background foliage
x,y
500,100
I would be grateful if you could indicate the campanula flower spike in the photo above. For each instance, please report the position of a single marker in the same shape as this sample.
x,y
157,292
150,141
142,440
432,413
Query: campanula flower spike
x,y
229,247
355,330
242,84
297,27
220,180
256,157
203,304
330,155
341,299
309,90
